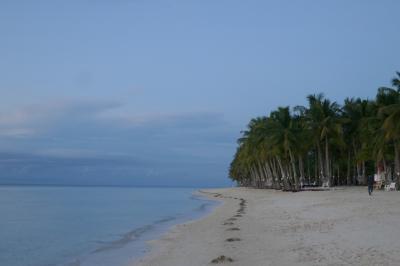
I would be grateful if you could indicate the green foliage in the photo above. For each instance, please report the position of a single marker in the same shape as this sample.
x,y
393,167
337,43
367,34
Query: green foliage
x,y
323,143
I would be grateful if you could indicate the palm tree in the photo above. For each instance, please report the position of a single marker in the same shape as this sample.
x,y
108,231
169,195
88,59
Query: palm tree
x,y
282,132
251,152
396,81
362,135
390,112
323,116
351,112
303,143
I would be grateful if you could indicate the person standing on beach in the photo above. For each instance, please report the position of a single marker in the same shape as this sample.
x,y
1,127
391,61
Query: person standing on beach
x,y
370,184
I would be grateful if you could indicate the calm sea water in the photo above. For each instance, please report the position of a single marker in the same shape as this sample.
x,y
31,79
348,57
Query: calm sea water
x,y
88,225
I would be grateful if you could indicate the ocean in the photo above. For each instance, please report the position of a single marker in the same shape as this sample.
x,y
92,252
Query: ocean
x,y
87,226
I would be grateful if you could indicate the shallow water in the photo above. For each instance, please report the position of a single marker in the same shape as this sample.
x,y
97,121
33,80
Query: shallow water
x,y
88,225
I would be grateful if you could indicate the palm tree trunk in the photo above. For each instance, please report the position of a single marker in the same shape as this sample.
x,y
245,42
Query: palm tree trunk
x,y
321,164
397,163
266,181
358,173
327,173
308,169
259,176
364,176
270,176
295,176
284,177
254,177
301,169
262,175
289,176
276,173
316,167
348,180
355,174
385,171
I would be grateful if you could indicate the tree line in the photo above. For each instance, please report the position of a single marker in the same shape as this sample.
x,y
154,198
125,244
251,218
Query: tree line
x,y
323,143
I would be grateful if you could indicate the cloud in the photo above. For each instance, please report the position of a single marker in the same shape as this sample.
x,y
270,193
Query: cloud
x,y
81,136
36,119
199,119
93,122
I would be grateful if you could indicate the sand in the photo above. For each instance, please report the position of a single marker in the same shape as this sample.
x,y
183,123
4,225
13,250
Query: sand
x,y
265,227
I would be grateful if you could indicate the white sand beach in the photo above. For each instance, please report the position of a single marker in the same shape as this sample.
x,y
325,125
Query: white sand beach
x,y
266,227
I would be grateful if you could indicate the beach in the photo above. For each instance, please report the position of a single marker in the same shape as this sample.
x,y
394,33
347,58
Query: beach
x,y
254,227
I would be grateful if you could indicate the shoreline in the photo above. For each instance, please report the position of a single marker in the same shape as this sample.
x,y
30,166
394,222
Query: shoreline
x,y
267,227
205,209
132,245
161,245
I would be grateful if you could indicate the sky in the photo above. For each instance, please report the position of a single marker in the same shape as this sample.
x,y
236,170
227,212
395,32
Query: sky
x,y
155,93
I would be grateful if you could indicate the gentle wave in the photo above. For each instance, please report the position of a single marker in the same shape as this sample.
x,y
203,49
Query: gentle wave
x,y
130,236
89,226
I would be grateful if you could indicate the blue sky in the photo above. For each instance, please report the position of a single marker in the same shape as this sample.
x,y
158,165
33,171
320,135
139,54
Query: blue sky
x,y
156,92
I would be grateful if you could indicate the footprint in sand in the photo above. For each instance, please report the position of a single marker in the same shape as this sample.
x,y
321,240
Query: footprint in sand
x,y
233,239
233,229
222,259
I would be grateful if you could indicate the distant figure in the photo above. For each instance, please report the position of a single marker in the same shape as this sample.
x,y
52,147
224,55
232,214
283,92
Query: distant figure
x,y
370,184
